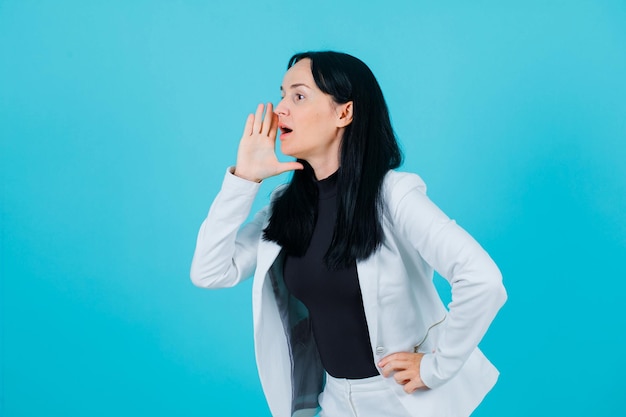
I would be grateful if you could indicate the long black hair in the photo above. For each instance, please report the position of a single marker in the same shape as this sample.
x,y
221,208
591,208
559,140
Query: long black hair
x,y
368,150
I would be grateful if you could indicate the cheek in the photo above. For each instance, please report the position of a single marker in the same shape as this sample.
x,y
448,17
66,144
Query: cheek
x,y
323,121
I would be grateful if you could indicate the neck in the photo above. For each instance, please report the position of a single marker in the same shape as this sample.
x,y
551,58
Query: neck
x,y
326,162
325,165
325,170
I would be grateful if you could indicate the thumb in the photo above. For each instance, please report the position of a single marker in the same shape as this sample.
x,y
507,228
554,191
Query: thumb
x,y
289,166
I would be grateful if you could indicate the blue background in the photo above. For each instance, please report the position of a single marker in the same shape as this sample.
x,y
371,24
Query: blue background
x,y
119,118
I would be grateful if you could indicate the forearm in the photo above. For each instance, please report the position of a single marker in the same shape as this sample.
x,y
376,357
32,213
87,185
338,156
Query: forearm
x,y
225,250
476,282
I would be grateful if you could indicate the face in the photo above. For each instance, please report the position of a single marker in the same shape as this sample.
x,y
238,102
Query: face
x,y
311,123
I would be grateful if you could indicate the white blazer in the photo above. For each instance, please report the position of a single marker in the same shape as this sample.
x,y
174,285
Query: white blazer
x,y
402,307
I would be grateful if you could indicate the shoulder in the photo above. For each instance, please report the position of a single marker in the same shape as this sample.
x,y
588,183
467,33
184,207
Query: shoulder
x,y
397,184
404,198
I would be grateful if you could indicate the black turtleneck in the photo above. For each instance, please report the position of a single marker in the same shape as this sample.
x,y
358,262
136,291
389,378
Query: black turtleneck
x,y
333,297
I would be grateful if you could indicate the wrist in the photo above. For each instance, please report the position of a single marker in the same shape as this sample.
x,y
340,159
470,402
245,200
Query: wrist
x,y
244,176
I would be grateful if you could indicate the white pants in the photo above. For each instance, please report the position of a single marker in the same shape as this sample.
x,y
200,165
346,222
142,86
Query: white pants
x,y
368,397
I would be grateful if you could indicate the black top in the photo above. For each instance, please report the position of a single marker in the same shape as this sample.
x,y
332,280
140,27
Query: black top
x,y
332,297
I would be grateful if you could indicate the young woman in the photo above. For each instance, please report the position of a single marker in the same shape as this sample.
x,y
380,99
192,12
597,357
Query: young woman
x,y
346,316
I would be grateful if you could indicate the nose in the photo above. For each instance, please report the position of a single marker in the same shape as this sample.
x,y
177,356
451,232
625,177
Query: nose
x,y
281,108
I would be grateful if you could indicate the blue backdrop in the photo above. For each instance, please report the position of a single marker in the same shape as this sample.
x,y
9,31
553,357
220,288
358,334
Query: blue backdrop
x,y
119,118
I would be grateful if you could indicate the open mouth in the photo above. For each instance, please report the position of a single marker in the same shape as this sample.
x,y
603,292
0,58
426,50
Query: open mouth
x,y
284,130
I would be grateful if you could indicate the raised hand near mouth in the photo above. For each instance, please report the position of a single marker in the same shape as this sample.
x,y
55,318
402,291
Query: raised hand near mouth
x,y
256,156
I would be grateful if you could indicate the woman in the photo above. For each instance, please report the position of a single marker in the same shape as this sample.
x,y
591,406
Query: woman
x,y
345,311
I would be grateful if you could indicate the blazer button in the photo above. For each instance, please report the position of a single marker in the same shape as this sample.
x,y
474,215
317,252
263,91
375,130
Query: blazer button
x,y
380,350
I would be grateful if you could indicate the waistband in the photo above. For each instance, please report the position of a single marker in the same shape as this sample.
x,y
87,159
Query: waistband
x,y
373,383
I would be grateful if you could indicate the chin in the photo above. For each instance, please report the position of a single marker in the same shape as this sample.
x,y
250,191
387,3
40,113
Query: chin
x,y
288,152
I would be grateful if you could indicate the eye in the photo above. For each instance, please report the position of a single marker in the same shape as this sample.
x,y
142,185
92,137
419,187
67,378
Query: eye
x,y
298,97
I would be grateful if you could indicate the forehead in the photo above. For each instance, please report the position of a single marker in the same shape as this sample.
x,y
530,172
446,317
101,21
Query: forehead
x,y
299,73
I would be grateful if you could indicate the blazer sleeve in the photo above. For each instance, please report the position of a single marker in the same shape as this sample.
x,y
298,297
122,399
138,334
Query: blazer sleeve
x,y
226,251
476,281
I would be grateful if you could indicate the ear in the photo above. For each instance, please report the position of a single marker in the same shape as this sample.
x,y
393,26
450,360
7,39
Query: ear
x,y
345,113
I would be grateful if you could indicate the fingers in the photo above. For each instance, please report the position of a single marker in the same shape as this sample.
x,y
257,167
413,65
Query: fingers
x,y
400,356
247,129
414,385
393,357
396,361
395,366
268,119
405,368
409,376
264,123
273,126
403,377
258,119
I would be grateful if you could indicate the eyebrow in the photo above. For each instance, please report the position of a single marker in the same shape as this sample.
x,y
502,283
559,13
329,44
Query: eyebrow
x,y
295,85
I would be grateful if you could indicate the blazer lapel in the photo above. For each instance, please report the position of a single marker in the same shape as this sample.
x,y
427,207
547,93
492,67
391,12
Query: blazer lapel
x,y
266,255
368,281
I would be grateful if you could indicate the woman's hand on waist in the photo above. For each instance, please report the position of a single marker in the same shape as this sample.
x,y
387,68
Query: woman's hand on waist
x,y
405,368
